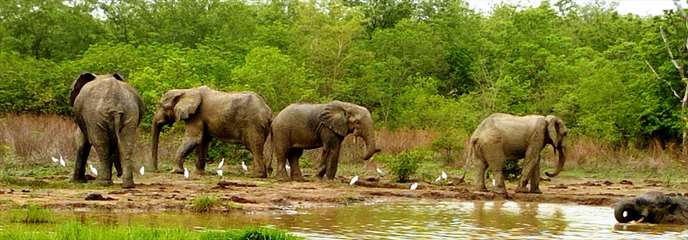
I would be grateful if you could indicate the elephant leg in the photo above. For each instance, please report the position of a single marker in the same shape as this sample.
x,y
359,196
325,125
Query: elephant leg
x,y
535,177
529,168
105,150
497,171
117,163
481,166
255,143
202,154
83,148
126,143
193,136
280,155
293,156
322,164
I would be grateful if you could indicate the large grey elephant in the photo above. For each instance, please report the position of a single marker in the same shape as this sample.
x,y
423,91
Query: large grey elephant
x,y
309,126
503,137
108,112
235,117
653,207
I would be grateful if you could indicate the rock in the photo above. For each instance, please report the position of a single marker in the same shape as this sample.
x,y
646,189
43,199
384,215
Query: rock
x,y
235,198
97,197
26,190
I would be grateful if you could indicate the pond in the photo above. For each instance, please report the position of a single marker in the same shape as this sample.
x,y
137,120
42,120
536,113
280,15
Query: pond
x,y
424,220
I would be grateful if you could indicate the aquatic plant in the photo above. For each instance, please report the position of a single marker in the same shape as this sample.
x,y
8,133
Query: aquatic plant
x,y
32,214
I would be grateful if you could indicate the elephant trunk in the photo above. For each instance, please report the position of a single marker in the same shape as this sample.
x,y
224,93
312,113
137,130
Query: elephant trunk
x,y
561,155
626,211
155,132
371,148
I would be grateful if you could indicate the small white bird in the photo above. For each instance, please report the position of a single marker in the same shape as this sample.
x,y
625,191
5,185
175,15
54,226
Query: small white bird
x,y
62,161
55,160
379,171
438,179
414,186
219,172
494,183
222,163
244,167
142,170
353,180
286,166
93,169
444,175
186,173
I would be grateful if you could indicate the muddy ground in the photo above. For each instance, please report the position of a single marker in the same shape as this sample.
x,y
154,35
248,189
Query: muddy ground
x,y
170,192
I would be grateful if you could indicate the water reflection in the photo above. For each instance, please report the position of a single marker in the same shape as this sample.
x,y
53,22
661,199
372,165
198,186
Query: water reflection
x,y
426,220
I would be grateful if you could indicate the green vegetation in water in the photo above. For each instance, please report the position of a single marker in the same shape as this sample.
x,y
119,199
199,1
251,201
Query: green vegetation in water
x,y
32,214
78,231
202,204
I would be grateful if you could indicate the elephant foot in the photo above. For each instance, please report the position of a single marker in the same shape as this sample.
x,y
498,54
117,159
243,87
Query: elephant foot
x,y
536,191
500,191
259,175
79,180
298,179
481,189
104,182
520,189
177,171
127,184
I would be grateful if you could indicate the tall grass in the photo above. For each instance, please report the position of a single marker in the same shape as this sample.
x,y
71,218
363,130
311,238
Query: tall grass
x,y
32,214
202,204
79,231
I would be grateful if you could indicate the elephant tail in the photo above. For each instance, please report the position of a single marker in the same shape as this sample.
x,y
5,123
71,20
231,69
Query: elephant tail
x,y
470,152
267,149
118,127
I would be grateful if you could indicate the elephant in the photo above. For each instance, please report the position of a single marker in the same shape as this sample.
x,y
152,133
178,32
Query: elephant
x,y
108,112
308,126
503,137
235,117
652,207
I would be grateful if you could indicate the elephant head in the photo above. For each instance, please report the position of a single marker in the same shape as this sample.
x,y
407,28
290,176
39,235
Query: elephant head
x,y
345,118
175,105
652,207
556,133
82,80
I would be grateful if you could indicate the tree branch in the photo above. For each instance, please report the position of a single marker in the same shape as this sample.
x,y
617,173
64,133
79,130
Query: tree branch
x,y
671,54
660,78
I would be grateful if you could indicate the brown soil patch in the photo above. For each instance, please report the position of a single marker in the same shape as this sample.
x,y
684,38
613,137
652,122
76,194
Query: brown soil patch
x,y
168,192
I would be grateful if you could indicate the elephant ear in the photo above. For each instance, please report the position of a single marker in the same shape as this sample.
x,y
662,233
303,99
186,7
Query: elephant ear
x,y
187,104
118,77
335,118
554,125
79,83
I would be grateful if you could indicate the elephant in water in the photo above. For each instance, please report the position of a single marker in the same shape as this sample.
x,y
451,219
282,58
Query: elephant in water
x,y
504,137
108,112
653,207
308,126
235,117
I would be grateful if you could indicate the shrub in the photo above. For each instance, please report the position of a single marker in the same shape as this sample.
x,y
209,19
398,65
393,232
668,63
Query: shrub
x,y
204,204
406,163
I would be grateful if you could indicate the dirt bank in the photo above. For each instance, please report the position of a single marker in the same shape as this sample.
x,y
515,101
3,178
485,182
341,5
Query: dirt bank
x,y
168,192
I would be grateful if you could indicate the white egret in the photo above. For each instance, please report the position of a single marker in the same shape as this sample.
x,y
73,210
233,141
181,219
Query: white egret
x,y
353,180
142,170
414,186
186,173
244,167
219,172
93,169
222,163
62,161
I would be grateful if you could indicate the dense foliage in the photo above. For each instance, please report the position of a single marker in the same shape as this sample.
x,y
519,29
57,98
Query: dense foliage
x,y
418,64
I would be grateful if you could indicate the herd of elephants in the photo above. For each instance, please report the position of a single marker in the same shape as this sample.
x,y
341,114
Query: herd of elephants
x,y
108,112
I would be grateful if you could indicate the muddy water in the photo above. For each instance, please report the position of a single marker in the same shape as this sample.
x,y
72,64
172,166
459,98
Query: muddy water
x,y
444,220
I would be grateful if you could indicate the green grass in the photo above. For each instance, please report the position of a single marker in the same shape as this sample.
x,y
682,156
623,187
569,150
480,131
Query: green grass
x,y
78,231
32,214
202,204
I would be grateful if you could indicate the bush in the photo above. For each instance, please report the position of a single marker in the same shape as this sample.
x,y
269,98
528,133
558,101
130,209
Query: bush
x,y
204,204
406,163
